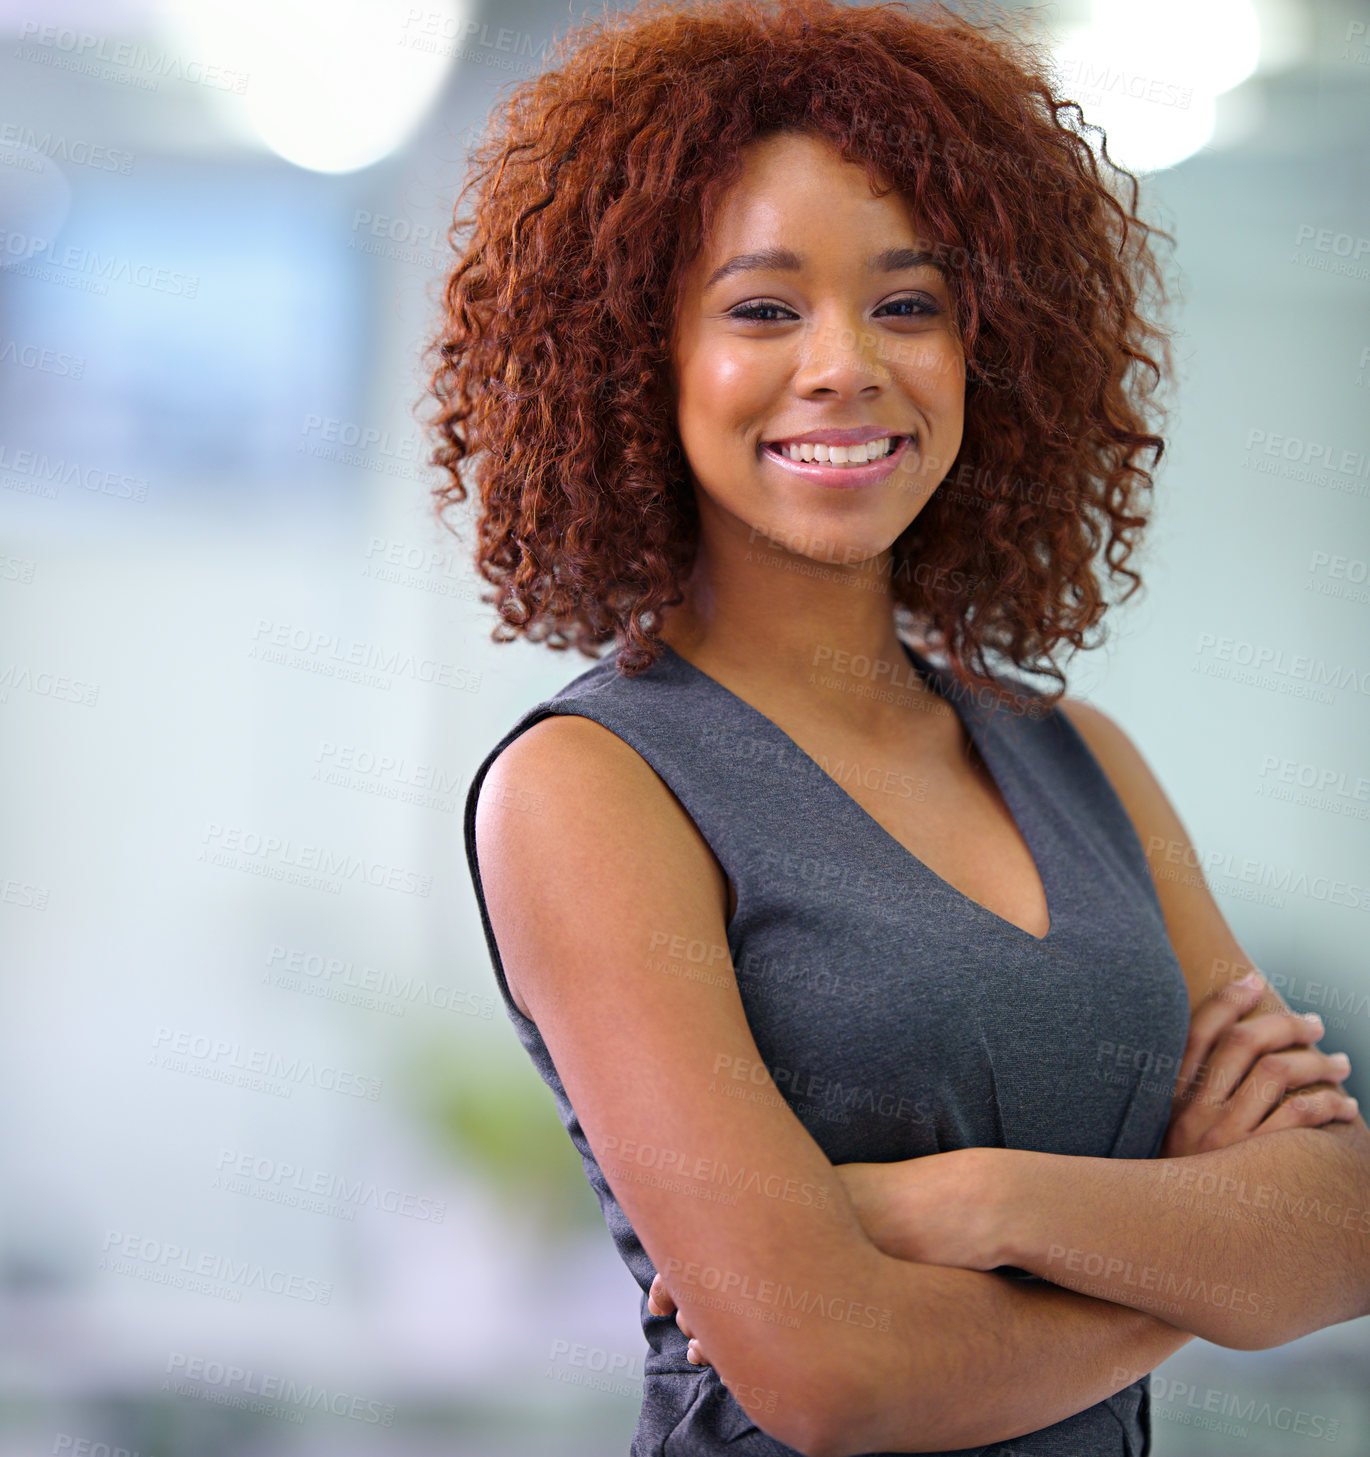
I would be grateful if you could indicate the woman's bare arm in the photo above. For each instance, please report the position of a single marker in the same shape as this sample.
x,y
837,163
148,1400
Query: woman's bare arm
x,y
1079,1334
1248,1246
1305,1271
864,1352
1258,1263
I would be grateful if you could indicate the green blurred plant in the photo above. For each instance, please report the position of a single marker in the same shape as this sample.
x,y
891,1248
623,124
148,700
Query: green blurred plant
x,y
484,1103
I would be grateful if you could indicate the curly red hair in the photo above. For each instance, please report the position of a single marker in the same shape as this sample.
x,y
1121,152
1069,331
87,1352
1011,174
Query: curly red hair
x,y
595,183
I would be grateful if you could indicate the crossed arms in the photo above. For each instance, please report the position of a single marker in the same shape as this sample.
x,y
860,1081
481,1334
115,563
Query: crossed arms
x,y
837,1345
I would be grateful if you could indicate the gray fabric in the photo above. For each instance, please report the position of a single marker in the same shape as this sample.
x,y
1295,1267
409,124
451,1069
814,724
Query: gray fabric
x,y
897,1016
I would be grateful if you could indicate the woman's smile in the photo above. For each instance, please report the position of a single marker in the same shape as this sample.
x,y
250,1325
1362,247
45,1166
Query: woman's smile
x,y
842,467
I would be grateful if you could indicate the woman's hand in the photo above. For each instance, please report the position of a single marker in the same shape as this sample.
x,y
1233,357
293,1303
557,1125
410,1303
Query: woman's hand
x,y
939,1209
660,1301
1245,1073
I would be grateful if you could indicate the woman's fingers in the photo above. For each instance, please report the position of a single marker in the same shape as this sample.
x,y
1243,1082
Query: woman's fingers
x,y
1273,1075
1246,1071
659,1300
1212,1017
1312,1108
1244,1044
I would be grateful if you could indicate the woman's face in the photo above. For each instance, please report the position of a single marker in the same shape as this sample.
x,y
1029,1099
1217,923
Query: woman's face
x,y
852,331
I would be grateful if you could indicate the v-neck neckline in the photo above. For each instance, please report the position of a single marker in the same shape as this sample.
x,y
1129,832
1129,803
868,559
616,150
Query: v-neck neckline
x,y
974,729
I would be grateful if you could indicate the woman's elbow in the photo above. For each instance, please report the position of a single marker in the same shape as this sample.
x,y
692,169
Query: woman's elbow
x,y
1266,1335
852,1418
808,1412
825,1421
811,1406
1253,1330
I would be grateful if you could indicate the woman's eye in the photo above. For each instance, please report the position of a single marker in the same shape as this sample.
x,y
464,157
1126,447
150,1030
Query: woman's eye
x,y
920,307
763,313
754,311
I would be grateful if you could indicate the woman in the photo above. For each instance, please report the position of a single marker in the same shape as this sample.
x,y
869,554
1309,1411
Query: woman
x,y
786,335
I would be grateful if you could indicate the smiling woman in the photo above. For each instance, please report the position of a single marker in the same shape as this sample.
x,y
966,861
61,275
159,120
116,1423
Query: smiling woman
x,y
598,189
796,351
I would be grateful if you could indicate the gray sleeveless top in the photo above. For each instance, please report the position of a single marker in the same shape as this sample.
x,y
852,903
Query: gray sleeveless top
x,y
897,1016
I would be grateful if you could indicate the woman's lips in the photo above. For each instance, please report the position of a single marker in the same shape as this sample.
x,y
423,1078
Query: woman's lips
x,y
841,477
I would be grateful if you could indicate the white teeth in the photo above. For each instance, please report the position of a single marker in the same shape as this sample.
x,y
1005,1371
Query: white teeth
x,y
837,454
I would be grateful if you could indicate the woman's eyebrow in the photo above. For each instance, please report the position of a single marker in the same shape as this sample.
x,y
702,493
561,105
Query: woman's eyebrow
x,y
784,260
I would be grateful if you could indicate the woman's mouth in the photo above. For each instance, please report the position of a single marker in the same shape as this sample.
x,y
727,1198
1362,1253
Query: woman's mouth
x,y
840,466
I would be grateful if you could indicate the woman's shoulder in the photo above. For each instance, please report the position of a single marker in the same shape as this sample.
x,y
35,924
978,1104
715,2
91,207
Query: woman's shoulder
x,y
570,783
570,820
1118,756
564,749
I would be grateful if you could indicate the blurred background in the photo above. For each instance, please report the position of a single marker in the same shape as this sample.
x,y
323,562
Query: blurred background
x,y
277,1176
